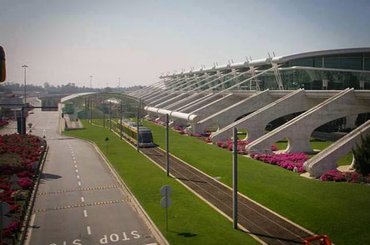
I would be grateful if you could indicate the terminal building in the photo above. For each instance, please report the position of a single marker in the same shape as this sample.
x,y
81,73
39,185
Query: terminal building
x,y
304,92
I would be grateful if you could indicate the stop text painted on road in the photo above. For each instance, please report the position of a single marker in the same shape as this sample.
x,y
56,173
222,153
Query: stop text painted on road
x,y
106,238
119,237
74,242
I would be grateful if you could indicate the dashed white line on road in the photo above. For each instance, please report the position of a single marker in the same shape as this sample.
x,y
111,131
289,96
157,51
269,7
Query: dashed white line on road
x,y
82,199
74,161
79,183
75,166
85,213
88,230
76,170
78,177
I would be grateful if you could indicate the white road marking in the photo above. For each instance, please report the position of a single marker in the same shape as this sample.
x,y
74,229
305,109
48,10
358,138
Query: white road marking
x,y
79,183
75,166
74,161
78,177
88,230
82,199
85,213
76,170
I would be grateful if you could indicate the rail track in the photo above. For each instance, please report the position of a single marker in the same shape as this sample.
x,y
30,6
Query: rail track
x,y
263,224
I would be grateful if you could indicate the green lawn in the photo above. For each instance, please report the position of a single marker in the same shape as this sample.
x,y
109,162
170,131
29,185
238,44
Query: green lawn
x,y
191,221
340,210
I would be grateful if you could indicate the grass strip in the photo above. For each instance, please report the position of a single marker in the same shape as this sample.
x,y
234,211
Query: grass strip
x,y
340,210
191,221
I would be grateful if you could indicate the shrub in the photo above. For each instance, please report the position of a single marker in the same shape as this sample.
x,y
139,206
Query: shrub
x,y
362,156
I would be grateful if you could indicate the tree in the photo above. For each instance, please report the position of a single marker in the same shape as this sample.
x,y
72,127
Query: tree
x,y
362,156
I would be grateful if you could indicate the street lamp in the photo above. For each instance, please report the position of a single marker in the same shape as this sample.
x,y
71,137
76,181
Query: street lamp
x,y
91,81
25,83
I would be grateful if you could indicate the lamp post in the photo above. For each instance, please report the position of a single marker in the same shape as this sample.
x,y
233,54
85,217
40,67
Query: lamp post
x,y
91,81
25,83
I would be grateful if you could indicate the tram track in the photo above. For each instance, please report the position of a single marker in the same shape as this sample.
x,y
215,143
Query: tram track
x,y
259,222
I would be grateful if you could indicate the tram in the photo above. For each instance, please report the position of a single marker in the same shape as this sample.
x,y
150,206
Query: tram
x,y
129,131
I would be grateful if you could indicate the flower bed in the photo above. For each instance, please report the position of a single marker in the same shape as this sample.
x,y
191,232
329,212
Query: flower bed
x,y
338,176
290,161
20,156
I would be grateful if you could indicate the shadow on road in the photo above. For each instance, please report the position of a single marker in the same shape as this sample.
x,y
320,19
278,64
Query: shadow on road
x,y
46,176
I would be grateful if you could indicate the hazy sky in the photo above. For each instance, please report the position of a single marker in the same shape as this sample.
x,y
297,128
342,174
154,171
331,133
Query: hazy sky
x,y
69,40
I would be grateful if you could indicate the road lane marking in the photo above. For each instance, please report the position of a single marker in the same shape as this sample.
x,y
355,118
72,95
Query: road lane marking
x,y
85,213
74,161
75,166
78,177
79,183
82,205
97,188
76,170
82,199
88,230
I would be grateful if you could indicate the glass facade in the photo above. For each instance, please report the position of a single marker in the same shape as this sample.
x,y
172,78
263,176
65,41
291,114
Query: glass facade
x,y
340,62
333,72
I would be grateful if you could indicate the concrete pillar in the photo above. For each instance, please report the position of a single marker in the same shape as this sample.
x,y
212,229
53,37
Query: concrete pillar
x,y
225,116
299,129
327,159
325,83
351,121
256,122
362,84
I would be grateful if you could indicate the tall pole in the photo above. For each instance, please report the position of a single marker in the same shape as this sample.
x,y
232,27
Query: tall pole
x,y
137,126
25,83
235,178
120,120
110,115
91,82
23,116
167,147
90,106
104,116
91,109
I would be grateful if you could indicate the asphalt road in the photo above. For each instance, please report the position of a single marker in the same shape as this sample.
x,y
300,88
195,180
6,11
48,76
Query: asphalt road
x,y
79,201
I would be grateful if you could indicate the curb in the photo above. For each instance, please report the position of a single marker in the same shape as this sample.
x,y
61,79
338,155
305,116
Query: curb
x,y
25,228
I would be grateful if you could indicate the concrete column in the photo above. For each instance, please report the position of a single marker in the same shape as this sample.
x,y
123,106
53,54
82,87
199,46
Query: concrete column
x,y
362,84
351,121
325,83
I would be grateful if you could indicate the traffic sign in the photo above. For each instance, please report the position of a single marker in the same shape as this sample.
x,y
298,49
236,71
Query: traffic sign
x,y
166,202
166,190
